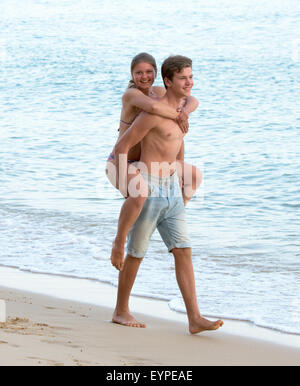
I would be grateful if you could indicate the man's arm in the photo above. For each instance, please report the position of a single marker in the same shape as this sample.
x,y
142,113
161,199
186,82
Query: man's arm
x,y
137,131
180,155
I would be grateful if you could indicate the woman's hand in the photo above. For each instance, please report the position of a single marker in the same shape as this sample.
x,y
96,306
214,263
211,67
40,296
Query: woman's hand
x,y
182,120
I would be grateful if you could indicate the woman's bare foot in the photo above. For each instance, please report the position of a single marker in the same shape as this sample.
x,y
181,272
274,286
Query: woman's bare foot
x,y
202,324
126,319
117,256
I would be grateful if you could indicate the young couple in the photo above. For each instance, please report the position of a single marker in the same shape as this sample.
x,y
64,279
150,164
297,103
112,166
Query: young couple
x,y
147,166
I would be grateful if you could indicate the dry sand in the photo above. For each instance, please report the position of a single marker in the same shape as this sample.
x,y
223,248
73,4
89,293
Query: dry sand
x,y
43,330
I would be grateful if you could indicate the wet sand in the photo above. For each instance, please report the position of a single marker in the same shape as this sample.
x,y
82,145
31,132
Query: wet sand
x,y
44,330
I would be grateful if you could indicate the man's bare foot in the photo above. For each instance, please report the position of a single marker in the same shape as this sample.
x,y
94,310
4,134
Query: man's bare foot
x,y
126,319
117,256
202,324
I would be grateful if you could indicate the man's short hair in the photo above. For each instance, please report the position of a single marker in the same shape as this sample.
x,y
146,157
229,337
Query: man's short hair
x,y
174,64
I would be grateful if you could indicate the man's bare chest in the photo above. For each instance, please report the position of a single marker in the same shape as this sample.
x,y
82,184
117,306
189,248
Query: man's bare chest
x,y
169,131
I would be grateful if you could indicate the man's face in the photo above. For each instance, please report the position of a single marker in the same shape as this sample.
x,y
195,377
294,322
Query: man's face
x,y
182,82
143,75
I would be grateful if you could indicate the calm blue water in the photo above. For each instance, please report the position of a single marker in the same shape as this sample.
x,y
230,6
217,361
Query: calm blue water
x,y
63,67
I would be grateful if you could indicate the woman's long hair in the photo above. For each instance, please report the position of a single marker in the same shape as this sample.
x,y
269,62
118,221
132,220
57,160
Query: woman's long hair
x,y
143,57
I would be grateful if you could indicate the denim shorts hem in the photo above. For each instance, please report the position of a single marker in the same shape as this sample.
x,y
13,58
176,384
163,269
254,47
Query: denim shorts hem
x,y
135,254
179,245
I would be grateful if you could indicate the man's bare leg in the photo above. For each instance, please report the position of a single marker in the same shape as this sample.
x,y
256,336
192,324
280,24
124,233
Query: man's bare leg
x,y
127,277
186,281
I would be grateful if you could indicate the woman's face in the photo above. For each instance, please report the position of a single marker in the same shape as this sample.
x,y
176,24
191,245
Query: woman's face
x,y
143,75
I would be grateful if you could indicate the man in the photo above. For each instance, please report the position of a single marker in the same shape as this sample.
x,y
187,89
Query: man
x,y
161,141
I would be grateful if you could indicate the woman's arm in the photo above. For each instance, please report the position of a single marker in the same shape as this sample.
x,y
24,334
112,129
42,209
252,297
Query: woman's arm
x,y
190,105
138,99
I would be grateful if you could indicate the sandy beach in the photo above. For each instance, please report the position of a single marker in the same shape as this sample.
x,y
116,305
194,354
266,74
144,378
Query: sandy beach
x,y
45,330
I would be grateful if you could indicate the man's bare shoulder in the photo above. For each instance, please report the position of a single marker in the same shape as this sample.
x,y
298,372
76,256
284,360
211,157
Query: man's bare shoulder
x,y
148,117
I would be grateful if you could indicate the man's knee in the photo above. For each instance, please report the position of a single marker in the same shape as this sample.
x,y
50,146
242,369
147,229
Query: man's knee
x,y
182,253
132,259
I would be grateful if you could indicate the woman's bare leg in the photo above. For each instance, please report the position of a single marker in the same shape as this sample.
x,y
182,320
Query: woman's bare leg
x,y
130,211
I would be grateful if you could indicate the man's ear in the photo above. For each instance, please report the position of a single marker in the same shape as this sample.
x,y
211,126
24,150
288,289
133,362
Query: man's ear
x,y
167,82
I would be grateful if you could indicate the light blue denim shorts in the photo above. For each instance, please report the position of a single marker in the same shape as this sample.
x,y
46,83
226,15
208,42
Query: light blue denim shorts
x,y
164,210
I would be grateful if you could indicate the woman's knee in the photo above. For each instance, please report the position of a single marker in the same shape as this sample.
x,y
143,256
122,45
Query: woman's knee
x,y
197,177
111,174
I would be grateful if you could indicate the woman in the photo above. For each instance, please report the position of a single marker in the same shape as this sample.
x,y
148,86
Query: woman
x,y
142,96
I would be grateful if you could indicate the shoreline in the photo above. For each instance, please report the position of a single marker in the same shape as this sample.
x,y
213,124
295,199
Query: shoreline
x,y
46,313
46,331
104,295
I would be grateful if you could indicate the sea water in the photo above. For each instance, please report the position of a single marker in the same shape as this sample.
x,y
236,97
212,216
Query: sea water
x,y
63,68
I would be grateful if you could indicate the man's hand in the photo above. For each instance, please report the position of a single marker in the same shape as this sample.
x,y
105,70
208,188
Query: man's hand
x,y
182,120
